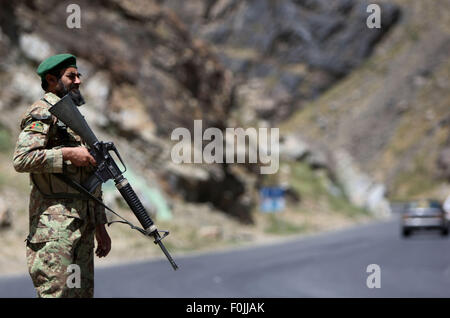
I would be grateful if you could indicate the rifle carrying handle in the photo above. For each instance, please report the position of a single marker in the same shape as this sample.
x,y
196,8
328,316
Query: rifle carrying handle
x,y
135,205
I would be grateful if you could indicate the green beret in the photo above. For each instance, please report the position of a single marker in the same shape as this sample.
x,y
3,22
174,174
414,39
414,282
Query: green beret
x,y
54,62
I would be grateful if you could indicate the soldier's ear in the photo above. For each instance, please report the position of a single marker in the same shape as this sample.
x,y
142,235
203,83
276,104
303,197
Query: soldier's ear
x,y
51,79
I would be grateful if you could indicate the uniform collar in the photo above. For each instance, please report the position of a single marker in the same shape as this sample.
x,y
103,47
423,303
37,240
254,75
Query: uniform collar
x,y
51,98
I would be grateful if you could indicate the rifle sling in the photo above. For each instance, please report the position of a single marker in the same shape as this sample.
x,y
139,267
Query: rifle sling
x,y
90,196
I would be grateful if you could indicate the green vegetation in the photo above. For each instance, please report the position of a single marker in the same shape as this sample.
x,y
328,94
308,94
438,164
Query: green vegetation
x,y
319,196
414,183
306,181
3,180
5,140
8,176
277,225
342,205
315,185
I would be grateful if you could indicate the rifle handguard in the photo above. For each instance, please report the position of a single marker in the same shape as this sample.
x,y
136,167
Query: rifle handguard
x,y
135,205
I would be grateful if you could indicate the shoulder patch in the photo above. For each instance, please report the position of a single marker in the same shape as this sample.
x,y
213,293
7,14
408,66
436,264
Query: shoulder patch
x,y
37,111
37,126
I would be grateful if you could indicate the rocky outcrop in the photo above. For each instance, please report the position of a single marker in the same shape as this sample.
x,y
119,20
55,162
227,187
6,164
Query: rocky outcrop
x,y
153,66
443,164
5,214
174,77
296,49
342,171
144,77
391,114
359,187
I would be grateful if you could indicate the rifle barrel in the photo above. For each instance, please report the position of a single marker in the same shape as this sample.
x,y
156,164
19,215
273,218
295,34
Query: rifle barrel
x,y
163,248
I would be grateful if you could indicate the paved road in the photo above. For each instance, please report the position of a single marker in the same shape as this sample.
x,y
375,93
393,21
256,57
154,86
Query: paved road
x,y
326,265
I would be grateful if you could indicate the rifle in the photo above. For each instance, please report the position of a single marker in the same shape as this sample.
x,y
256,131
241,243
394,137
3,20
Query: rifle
x,y
107,169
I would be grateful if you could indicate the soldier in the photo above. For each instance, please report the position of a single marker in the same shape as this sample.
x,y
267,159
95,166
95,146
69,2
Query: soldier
x,y
63,223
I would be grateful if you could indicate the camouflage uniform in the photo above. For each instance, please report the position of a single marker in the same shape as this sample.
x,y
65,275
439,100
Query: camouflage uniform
x,y
62,222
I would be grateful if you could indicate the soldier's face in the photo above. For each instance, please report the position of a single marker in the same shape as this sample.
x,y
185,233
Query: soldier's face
x,y
69,83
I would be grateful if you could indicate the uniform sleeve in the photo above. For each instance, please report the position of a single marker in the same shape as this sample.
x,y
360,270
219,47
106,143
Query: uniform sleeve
x,y
30,154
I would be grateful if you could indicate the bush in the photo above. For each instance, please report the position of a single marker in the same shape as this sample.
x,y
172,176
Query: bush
x,y
5,140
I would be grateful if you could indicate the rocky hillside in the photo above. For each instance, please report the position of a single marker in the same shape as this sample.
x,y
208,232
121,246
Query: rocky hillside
x,y
363,113
152,66
284,53
391,115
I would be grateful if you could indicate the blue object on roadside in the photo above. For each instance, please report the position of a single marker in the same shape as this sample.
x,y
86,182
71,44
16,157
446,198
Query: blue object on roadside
x,y
272,199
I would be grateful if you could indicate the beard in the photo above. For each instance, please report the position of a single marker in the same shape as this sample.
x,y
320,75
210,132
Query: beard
x,y
73,92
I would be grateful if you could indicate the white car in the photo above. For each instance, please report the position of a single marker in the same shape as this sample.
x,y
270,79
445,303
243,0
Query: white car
x,y
424,214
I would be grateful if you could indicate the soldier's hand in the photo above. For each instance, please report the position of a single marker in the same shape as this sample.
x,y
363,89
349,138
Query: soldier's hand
x,y
103,241
79,156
